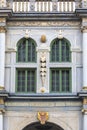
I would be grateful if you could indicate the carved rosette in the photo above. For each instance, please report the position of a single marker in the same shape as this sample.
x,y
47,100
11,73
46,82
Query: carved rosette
x,y
43,67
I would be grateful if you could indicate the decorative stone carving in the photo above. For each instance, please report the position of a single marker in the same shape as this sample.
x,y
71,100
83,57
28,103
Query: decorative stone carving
x,y
43,38
42,117
84,3
2,3
85,101
32,5
54,5
2,88
2,29
45,24
43,67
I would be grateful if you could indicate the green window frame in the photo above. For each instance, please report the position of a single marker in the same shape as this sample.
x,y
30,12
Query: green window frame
x,y
60,50
26,80
60,80
26,50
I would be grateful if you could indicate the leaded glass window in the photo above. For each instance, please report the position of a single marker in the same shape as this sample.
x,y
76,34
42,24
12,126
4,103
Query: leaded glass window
x,y
26,80
26,50
60,50
60,80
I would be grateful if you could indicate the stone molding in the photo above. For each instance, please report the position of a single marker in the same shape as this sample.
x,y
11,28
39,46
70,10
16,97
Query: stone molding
x,y
43,23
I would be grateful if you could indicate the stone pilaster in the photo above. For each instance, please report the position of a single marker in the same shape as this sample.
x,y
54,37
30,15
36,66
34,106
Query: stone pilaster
x,y
2,57
84,110
84,42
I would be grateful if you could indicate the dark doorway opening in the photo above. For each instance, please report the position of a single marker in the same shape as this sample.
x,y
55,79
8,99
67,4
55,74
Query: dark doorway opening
x,y
46,126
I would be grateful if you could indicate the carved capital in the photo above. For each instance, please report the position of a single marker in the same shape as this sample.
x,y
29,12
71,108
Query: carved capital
x,y
2,88
1,102
2,110
84,29
84,111
2,29
85,88
85,101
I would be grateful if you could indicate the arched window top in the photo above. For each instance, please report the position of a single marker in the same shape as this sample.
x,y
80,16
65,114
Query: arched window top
x,y
26,50
60,50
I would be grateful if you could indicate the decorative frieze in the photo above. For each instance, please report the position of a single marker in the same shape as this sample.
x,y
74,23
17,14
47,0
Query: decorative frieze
x,y
45,24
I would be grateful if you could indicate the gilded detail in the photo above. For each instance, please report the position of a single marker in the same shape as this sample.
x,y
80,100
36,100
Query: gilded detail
x,y
1,88
1,101
84,88
43,117
85,101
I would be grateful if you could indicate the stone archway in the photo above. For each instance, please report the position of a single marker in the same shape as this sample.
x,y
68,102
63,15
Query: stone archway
x,y
46,126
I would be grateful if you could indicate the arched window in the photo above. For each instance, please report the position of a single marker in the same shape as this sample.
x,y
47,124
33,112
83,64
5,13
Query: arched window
x,y
60,50
26,73
26,50
60,74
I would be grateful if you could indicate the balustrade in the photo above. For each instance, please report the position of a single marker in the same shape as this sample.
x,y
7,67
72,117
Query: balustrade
x,y
20,6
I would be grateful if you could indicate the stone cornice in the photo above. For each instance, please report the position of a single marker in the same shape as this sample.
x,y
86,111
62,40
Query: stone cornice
x,y
81,12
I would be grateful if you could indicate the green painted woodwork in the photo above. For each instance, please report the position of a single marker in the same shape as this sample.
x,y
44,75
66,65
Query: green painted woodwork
x,y
26,80
60,50
26,50
60,80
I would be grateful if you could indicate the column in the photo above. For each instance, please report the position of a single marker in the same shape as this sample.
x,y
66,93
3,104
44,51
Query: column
x,y
1,120
2,57
84,110
85,121
85,58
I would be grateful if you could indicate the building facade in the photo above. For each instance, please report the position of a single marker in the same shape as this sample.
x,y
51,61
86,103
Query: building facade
x,y
43,64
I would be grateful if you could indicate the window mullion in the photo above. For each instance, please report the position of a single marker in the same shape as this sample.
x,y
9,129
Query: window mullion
x,y
26,76
60,50
26,50
60,79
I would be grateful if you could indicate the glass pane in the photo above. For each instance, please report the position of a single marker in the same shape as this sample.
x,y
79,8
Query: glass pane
x,y
65,80
55,80
65,51
21,81
31,51
55,51
60,51
31,81
22,52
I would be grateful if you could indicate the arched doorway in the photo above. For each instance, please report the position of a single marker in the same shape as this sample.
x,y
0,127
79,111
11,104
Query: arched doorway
x,y
46,126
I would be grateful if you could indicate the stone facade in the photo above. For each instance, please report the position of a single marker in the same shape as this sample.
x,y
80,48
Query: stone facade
x,y
66,110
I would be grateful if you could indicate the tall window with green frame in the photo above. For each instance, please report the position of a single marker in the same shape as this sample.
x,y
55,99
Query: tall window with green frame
x,y
26,50
60,76
60,50
26,77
